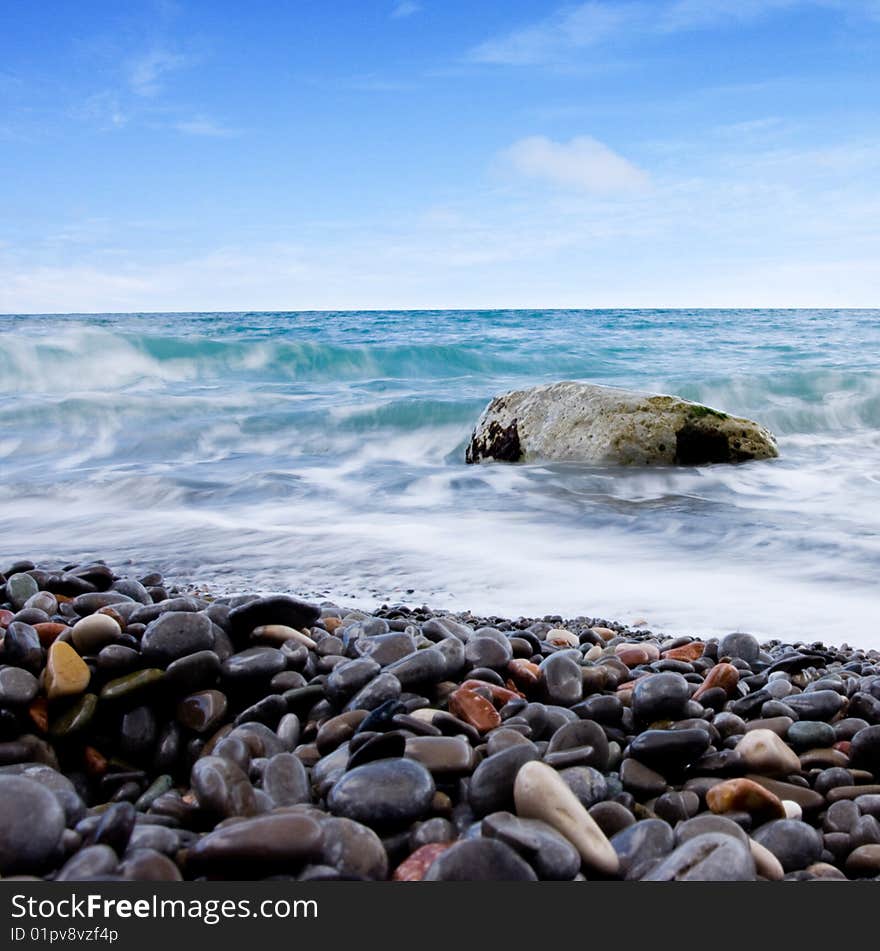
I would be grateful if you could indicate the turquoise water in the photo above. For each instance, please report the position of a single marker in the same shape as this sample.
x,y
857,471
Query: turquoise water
x,y
324,453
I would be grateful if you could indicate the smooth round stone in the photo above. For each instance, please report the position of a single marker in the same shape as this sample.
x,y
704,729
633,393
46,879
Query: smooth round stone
x,y
281,634
602,708
562,679
67,674
94,861
31,825
115,827
738,644
581,734
810,734
268,711
442,755
76,717
659,697
378,691
638,779
488,652
117,658
670,749
60,787
675,806
708,823
432,830
87,604
864,862
816,704
479,860
764,752
157,838
264,845
366,749
19,588
841,816
745,795
353,849
42,601
423,666
92,633
273,609
491,785
541,793
865,749
194,672
137,732
387,648
17,686
384,794
222,788
794,843
709,857
587,783
202,712
175,634
146,865
641,844
285,780
346,679
253,664
550,854
21,647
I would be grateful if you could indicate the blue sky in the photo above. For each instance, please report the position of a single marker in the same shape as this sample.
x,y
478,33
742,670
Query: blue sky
x,y
323,154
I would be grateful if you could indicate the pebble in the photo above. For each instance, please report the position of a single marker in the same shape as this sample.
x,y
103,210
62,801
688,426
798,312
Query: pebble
x,y
17,686
745,795
764,752
274,609
551,855
67,674
222,788
639,846
491,786
479,860
795,844
31,825
175,634
383,794
540,793
660,696
92,633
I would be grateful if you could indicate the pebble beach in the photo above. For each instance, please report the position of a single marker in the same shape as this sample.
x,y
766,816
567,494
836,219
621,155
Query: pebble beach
x,y
158,733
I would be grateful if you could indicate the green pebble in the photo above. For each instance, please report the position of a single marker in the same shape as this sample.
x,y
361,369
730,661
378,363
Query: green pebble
x,y
131,683
159,786
75,717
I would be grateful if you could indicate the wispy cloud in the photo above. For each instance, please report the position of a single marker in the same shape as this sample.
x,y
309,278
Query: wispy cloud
x,y
202,125
147,72
406,8
584,164
576,28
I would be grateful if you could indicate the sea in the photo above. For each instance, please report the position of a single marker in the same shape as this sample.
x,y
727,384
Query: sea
x,y
323,454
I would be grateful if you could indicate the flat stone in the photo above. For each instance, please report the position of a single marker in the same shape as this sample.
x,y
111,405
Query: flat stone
x,y
383,794
31,825
378,691
17,686
708,857
442,755
141,681
258,847
479,860
816,704
540,793
669,749
638,779
76,717
67,674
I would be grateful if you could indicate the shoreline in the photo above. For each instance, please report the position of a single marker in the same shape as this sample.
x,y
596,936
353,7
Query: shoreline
x,y
165,733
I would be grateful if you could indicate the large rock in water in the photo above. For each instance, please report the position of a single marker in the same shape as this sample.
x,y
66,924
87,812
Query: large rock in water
x,y
583,422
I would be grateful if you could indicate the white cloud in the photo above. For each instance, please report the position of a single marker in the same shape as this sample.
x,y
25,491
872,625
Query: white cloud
x,y
406,8
584,164
147,72
571,29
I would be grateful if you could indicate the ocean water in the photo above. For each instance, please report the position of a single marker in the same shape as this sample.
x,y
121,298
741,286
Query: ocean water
x,y
324,454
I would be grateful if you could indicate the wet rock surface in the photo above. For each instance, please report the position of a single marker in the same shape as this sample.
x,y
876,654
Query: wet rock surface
x,y
155,734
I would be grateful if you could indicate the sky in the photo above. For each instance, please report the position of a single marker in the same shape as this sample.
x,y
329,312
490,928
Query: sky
x,y
418,154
